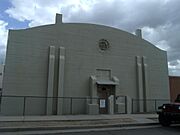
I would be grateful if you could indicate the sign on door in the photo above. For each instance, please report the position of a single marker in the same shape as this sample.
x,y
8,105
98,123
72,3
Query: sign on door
x,y
102,103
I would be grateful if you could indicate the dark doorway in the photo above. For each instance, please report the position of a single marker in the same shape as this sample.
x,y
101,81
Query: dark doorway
x,y
104,91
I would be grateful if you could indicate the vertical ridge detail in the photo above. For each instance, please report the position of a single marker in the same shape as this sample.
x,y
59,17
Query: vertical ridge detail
x,y
50,86
139,83
145,81
61,80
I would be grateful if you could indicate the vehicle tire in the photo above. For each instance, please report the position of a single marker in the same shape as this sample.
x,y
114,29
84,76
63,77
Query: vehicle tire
x,y
164,120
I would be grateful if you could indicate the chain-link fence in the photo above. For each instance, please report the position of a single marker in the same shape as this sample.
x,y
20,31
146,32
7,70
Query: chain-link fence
x,y
147,105
120,104
38,105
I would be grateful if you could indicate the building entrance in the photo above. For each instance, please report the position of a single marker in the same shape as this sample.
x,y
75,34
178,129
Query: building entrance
x,y
104,91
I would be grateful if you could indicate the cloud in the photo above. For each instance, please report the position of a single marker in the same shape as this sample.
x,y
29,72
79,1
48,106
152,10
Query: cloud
x,y
36,13
3,40
40,12
174,67
159,19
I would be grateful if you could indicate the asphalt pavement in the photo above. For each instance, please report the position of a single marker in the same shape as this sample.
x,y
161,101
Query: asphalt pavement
x,y
173,130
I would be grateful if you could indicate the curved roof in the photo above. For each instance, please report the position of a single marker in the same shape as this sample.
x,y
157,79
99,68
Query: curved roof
x,y
98,26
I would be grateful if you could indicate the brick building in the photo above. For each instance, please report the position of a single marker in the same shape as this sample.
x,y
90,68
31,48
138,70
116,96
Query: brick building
x,y
174,85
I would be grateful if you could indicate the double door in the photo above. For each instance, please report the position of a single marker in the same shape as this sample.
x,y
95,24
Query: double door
x,y
104,91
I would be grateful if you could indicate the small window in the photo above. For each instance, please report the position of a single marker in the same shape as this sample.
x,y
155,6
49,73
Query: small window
x,y
103,44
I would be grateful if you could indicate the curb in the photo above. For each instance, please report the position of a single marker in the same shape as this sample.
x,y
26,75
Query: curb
x,y
42,128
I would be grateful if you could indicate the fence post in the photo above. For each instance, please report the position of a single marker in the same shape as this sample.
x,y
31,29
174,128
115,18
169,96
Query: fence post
x,y
71,104
155,104
132,106
125,104
24,106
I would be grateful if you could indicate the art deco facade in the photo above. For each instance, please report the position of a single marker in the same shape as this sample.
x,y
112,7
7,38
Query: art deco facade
x,y
81,60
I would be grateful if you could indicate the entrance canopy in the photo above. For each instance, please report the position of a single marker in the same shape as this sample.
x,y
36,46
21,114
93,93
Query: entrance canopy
x,y
106,82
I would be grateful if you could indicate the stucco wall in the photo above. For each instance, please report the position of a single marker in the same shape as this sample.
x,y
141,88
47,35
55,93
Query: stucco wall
x,y
26,71
1,75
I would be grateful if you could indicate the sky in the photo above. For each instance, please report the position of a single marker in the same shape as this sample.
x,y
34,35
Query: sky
x,y
158,19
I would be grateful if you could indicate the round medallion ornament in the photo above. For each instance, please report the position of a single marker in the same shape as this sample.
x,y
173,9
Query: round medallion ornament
x,y
103,44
